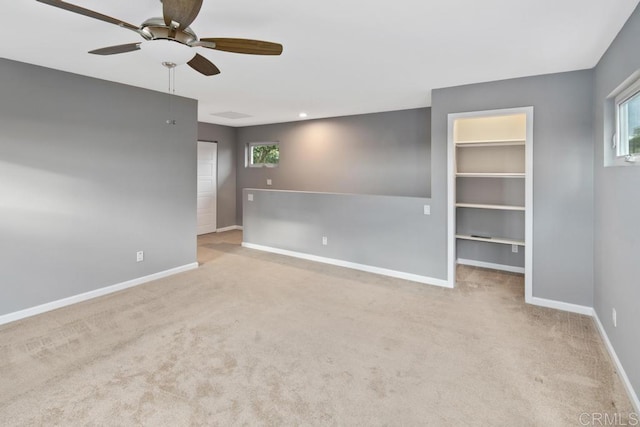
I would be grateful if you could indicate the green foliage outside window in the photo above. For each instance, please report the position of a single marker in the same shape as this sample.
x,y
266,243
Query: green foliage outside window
x,y
634,142
265,154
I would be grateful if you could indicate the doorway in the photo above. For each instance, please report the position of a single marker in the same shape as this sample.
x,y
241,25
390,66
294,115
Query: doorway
x,y
490,191
207,186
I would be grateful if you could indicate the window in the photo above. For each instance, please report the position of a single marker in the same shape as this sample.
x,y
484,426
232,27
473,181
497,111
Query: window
x,y
627,140
263,154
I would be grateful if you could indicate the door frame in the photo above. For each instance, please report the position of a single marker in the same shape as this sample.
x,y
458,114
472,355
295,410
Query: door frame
x,y
215,183
451,193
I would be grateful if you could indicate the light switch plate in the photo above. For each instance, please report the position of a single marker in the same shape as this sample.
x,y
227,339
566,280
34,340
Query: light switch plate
x,y
268,181
427,209
250,197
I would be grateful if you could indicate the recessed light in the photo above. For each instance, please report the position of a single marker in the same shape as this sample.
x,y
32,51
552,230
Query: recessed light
x,y
302,115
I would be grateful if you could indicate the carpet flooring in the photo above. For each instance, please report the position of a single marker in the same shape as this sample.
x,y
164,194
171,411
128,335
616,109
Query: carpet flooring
x,y
252,338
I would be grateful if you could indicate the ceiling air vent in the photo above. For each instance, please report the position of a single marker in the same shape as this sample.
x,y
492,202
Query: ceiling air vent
x,y
231,115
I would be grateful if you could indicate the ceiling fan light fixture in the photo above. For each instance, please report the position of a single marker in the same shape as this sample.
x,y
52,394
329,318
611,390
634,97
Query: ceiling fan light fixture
x,y
167,51
170,39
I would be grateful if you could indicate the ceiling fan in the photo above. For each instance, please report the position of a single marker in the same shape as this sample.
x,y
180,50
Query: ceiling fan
x,y
172,32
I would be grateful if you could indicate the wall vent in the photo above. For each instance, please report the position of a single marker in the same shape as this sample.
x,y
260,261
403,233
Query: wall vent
x,y
231,115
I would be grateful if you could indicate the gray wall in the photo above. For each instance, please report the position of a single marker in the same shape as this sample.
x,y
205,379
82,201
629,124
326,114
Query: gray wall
x,y
490,222
225,136
563,171
382,231
90,173
383,153
617,209
486,222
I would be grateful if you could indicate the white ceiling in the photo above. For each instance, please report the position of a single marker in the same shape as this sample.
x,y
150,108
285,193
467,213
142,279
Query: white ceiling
x,y
340,57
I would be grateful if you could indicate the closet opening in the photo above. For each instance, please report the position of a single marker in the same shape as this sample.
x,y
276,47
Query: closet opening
x,y
490,192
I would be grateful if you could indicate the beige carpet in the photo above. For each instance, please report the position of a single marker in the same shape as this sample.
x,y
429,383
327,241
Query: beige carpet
x,y
258,339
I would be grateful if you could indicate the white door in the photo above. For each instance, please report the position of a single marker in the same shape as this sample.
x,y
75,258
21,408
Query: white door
x,y
207,171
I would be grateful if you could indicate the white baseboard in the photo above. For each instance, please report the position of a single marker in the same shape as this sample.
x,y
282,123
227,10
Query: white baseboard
x,y
352,265
231,227
589,311
502,267
559,305
614,357
39,309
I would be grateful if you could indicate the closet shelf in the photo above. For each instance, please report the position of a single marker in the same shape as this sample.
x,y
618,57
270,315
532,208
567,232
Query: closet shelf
x,y
496,207
490,175
501,240
490,143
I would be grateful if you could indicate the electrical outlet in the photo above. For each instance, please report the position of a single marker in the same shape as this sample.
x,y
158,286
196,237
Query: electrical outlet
x,y
250,197
139,256
514,249
427,210
268,181
324,240
614,316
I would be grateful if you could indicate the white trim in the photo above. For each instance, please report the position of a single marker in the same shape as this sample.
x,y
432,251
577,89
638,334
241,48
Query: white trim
x,y
214,175
611,143
528,175
474,263
528,203
352,265
53,305
589,311
559,305
625,96
330,193
616,361
229,228
249,155
451,203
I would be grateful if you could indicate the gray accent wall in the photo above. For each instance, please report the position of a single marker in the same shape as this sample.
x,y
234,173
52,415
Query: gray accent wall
x,y
489,222
563,172
225,137
90,173
387,232
380,154
617,209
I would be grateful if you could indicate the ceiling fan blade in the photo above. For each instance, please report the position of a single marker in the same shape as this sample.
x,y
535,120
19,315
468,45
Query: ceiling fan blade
x,y
90,13
203,65
112,50
183,12
252,47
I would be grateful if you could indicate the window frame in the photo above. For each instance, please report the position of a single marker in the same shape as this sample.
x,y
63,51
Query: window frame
x,y
620,148
249,155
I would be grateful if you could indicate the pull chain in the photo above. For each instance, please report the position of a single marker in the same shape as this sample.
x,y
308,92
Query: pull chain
x,y
171,67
